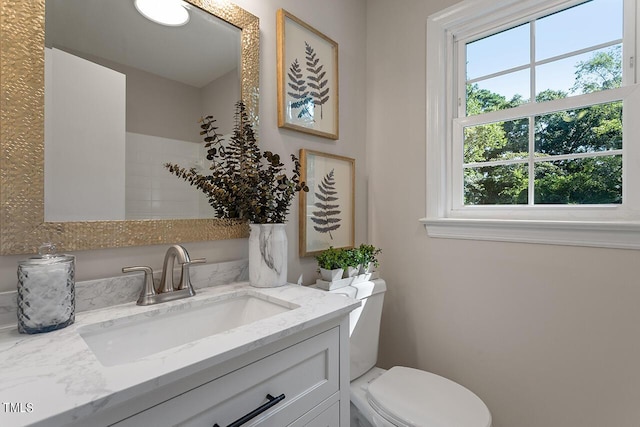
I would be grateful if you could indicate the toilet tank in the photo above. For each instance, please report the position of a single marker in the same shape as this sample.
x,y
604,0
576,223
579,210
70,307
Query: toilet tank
x,y
364,324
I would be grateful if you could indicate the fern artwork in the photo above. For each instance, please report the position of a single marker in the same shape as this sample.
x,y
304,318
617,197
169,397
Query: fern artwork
x,y
326,217
299,92
305,101
307,78
327,212
317,79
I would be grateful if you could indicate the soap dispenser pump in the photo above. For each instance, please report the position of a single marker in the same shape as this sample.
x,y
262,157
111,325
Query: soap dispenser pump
x,y
46,291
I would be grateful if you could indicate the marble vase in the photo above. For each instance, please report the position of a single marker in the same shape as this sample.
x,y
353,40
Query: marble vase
x,y
267,255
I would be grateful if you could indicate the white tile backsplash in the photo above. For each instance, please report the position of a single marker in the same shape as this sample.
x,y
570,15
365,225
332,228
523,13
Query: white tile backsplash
x,y
151,191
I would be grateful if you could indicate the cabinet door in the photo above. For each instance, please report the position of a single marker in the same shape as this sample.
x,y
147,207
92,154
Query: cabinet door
x,y
306,373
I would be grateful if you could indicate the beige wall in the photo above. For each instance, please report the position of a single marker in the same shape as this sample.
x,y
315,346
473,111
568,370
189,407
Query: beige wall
x,y
546,335
219,98
343,21
158,106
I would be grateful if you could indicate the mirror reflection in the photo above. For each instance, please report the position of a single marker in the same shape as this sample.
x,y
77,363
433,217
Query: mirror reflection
x,y
123,95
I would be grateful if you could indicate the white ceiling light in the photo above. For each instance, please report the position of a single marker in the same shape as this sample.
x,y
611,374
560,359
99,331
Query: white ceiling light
x,y
166,12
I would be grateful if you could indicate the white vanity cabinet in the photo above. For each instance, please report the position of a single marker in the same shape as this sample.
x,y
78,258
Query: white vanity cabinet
x,y
299,358
305,376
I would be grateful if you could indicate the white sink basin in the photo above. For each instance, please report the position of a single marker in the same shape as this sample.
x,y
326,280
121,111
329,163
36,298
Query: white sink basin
x,y
130,338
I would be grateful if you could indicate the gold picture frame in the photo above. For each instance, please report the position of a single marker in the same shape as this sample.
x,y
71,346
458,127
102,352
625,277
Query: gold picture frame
x,y
308,95
327,211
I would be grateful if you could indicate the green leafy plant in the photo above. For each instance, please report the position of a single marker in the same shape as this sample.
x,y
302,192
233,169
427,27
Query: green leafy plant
x,y
244,183
369,254
353,257
332,259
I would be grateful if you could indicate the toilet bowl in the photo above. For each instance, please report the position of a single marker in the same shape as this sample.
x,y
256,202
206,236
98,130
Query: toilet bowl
x,y
400,396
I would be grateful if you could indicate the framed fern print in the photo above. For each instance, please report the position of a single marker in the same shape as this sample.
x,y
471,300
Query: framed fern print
x,y
327,211
307,78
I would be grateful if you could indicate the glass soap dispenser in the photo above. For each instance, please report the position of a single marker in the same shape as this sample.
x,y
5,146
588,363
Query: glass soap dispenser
x,y
46,291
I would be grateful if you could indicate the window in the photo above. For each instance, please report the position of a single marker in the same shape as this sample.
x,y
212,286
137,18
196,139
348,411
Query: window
x,y
538,141
566,152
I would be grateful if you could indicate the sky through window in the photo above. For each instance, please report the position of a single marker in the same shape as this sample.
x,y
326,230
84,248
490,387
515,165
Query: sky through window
x,y
558,34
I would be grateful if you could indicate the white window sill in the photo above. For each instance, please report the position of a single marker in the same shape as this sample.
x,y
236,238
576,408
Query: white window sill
x,y
624,235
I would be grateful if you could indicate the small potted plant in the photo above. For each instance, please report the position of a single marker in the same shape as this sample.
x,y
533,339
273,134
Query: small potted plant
x,y
354,262
369,257
331,264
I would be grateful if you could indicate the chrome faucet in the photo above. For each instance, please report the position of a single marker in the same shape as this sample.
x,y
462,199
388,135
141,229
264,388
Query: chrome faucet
x,y
167,290
179,253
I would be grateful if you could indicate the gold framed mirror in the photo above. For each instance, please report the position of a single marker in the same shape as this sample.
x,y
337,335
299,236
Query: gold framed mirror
x,y
22,221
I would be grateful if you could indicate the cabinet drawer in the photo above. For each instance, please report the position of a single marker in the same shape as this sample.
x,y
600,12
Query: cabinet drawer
x,y
330,417
306,373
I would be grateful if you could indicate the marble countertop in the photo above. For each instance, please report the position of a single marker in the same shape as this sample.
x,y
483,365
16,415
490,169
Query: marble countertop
x,y
54,378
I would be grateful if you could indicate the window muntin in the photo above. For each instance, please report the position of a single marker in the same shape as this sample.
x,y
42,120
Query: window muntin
x,y
497,153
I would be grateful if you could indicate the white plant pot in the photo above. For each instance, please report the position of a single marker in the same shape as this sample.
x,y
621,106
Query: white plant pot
x,y
267,255
368,268
352,271
331,275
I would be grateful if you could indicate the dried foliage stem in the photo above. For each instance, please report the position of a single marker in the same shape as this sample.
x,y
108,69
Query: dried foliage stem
x,y
244,182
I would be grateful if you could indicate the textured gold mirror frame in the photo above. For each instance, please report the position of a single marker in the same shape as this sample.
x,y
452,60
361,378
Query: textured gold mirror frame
x,y
22,226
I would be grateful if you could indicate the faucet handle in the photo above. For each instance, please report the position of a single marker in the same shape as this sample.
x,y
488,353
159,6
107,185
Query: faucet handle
x,y
148,291
185,278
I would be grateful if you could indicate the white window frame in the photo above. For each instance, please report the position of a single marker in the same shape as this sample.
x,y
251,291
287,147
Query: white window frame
x,y
615,226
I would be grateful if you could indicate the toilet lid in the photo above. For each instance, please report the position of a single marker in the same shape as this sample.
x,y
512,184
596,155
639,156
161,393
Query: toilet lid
x,y
412,398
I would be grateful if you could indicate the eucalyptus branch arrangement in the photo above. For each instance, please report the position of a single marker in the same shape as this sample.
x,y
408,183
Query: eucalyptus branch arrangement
x,y
243,183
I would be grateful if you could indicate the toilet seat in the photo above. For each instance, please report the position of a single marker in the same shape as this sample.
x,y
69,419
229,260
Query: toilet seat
x,y
409,397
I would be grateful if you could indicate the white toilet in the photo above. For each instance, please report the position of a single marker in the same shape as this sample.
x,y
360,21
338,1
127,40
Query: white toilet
x,y
400,397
